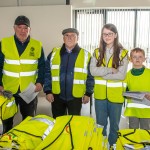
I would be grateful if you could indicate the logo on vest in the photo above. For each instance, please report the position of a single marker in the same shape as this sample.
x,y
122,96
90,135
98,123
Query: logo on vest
x,y
67,129
31,51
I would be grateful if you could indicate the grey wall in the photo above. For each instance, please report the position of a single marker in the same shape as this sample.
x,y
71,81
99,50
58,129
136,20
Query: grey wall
x,y
78,3
110,3
47,22
50,17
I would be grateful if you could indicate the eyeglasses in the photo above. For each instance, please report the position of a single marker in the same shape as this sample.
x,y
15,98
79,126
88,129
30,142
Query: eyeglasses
x,y
110,34
137,57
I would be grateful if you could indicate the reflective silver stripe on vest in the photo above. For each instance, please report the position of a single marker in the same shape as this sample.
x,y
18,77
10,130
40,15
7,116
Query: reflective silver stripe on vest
x,y
135,105
78,81
48,130
53,54
129,146
10,103
31,73
55,78
124,84
84,69
55,67
15,62
50,125
24,61
103,82
12,74
17,75
80,70
21,61
117,84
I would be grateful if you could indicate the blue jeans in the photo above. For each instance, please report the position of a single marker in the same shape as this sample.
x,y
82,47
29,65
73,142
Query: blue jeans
x,y
105,109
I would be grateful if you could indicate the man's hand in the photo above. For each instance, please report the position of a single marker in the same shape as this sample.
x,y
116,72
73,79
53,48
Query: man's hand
x,y
50,97
85,99
38,87
1,88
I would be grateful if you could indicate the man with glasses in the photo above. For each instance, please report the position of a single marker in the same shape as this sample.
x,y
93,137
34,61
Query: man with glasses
x,y
68,82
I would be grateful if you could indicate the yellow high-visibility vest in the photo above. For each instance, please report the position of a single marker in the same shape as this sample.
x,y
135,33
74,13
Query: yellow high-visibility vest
x,y
8,107
80,72
133,138
73,132
112,90
137,108
65,133
19,70
28,134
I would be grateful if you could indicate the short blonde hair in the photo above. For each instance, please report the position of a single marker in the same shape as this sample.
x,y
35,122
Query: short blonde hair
x,y
137,50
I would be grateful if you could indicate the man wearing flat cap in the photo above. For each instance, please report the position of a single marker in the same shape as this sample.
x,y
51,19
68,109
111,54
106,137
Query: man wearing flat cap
x,y
68,82
22,62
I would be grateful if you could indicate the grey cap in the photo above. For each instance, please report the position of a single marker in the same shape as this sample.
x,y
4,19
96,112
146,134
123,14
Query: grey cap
x,y
70,30
22,20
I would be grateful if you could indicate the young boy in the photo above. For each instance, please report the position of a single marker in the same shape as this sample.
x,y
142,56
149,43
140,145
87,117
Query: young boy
x,y
138,79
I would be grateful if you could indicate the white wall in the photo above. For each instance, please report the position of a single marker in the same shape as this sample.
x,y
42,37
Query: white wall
x,y
47,22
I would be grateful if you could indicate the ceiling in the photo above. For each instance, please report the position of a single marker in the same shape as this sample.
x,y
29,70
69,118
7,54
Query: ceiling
x,y
77,3
11,3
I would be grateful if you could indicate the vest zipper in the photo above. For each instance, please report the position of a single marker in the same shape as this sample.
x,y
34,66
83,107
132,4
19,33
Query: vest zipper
x,y
66,77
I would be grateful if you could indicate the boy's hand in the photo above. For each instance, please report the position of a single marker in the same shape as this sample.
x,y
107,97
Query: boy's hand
x,y
147,96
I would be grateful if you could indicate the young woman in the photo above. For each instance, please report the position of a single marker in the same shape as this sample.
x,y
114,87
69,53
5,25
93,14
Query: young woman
x,y
109,66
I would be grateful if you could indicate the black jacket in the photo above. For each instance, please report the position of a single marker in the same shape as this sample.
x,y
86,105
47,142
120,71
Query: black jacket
x,y
66,74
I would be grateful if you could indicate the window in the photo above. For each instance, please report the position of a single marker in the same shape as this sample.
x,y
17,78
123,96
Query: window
x,y
133,26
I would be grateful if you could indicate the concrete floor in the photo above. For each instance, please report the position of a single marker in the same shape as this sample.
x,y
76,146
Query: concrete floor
x,y
44,107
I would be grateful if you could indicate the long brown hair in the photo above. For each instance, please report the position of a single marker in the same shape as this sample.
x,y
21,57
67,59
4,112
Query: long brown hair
x,y
116,47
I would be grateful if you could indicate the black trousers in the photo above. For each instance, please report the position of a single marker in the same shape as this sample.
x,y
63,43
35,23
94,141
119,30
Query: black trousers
x,y
25,110
61,107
